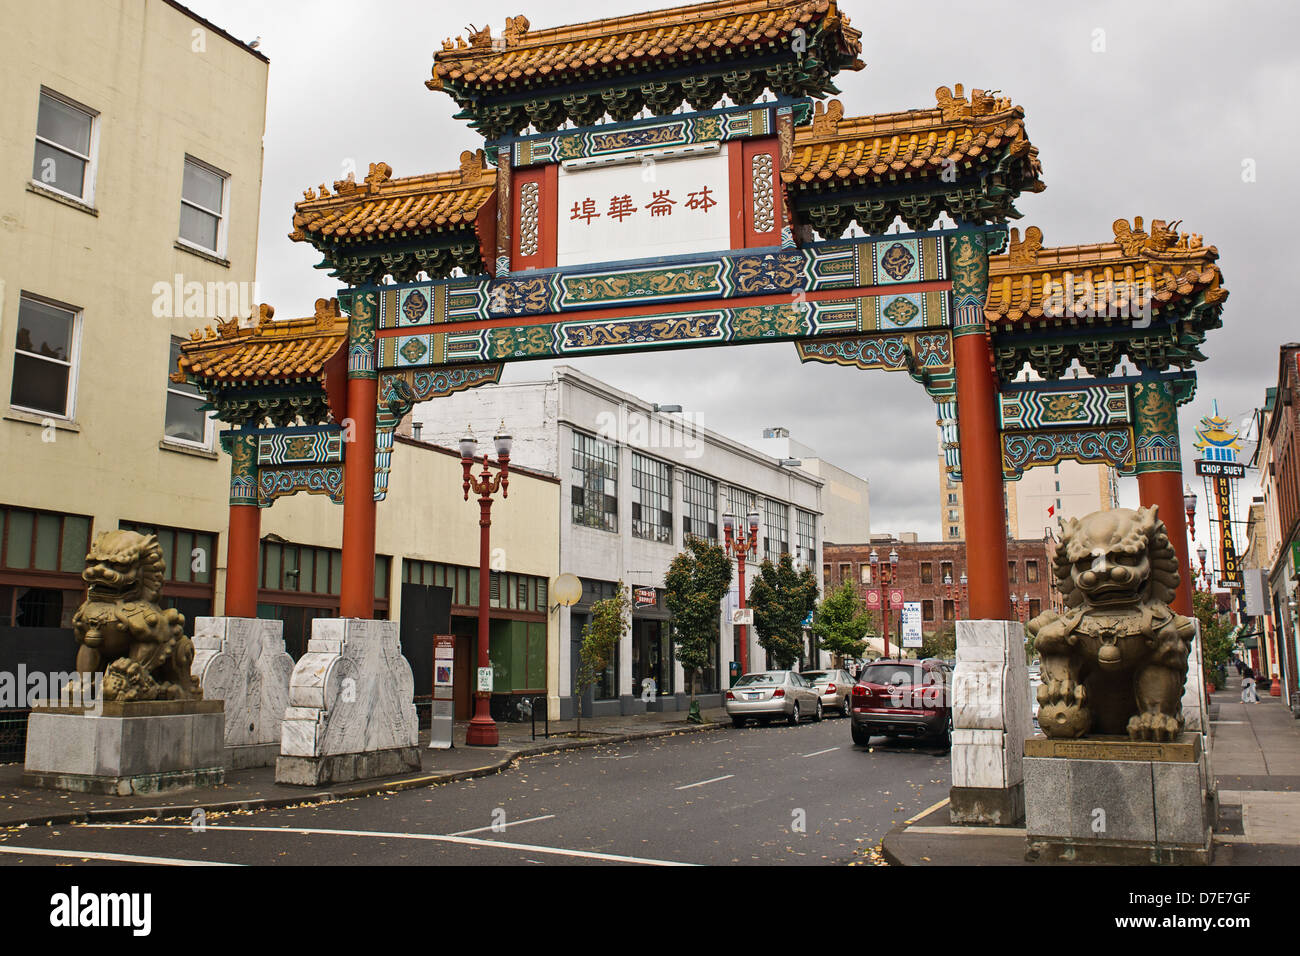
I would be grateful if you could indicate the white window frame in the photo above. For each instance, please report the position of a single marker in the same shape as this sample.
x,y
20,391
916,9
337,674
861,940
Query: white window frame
x,y
222,216
73,363
92,159
208,420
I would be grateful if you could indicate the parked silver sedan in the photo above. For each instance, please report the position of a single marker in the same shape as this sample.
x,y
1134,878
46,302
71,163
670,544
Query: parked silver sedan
x,y
835,687
768,694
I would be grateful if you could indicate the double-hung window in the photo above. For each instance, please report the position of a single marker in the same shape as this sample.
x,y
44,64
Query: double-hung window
x,y
204,197
185,423
65,147
45,358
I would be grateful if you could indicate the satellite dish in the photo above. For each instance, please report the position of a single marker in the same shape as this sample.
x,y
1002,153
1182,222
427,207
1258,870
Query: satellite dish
x,y
566,590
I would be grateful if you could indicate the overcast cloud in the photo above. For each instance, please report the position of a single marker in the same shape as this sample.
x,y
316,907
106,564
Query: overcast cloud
x,y
1158,125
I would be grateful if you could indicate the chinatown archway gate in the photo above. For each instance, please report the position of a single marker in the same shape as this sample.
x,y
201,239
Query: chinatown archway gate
x,y
715,226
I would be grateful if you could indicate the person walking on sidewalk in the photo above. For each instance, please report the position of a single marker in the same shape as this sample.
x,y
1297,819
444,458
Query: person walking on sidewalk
x,y
1248,695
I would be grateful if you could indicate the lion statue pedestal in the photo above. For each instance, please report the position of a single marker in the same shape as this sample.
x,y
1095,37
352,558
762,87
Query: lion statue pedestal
x,y
1115,778
134,720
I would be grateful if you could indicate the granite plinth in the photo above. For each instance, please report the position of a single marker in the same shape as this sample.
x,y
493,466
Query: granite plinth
x,y
242,662
991,718
1117,801
151,749
351,712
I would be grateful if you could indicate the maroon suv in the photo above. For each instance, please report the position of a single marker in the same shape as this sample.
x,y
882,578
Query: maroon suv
x,y
903,698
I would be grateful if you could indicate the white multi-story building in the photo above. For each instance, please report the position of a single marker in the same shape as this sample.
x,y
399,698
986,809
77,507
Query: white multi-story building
x,y
634,483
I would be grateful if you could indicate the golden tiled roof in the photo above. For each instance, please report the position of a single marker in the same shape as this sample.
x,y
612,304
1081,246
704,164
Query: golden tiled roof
x,y
621,43
287,349
1029,281
381,206
911,142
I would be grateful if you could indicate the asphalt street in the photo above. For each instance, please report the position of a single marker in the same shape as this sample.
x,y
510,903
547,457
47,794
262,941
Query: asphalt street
x,y
801,795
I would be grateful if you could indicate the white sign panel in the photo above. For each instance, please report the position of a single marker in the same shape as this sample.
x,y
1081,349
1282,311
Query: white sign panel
x,y
742,615
1255,589
643,210
485,680
911,621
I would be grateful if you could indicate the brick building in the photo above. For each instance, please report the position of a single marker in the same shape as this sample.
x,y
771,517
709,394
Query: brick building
x,y
923,566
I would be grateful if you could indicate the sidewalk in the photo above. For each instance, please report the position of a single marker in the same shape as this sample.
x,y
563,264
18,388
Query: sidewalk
x,y
1255,756
256,788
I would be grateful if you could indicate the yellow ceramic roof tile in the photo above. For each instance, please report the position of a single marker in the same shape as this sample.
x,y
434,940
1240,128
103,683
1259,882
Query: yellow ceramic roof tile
x,y
1134,269
381,205
292,348
680,30
956,130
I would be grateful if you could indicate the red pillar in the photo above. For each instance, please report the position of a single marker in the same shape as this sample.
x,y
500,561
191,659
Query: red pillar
x,y
242,559
482,731
744,631
1160,473
357,589
1165,488
981,478
978,433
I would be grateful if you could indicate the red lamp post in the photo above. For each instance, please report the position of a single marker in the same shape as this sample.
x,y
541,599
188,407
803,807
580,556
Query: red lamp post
x,y
1205,579
1189,505
1020,606
886,605
955,594
740,545
482,729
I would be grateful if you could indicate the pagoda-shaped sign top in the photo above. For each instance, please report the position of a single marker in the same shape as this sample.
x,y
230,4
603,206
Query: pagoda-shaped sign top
x,y
1217,439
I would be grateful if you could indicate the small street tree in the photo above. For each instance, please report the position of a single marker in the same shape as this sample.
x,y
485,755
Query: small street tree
x,y
841,621
693,588
608,624
782,599
1216,643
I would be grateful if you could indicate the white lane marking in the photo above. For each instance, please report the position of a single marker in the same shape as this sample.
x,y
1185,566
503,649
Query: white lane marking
x,y
703,782
611,757
1227,721
431,837
818,753
111,857
499,827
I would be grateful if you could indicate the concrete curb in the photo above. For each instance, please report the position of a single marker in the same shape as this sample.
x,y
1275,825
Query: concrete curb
x,y
366,789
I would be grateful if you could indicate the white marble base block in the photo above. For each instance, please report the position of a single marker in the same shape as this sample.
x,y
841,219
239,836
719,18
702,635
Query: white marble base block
x,y
991,719
351,712
242,661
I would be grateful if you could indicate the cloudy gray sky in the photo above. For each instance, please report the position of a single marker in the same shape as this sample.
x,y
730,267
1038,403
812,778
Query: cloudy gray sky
x,y
1158,123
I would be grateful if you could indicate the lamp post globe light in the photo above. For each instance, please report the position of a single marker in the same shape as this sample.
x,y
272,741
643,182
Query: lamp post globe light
x,y
1189,505
740,544
482,728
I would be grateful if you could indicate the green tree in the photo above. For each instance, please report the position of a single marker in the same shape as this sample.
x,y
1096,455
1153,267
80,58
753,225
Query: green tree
x,y
608,624
1216,644
782,598
841,621
941,644
696,580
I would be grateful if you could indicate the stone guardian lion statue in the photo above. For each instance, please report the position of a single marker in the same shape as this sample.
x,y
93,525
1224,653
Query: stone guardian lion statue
x,y
120,628
1115,662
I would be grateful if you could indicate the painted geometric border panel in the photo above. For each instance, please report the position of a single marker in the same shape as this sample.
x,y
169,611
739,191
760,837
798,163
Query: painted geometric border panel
x,y
1095,405
1107,446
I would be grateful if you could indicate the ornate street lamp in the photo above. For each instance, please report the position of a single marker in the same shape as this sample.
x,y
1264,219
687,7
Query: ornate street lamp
x,y
1020,606
1200,553
1189,505
886,578
482,729
740,545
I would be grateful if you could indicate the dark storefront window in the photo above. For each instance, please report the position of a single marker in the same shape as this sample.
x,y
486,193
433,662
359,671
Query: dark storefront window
x,y
594,483
300,583
517,650
806,523
776,529
42,555
652,499
701,517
